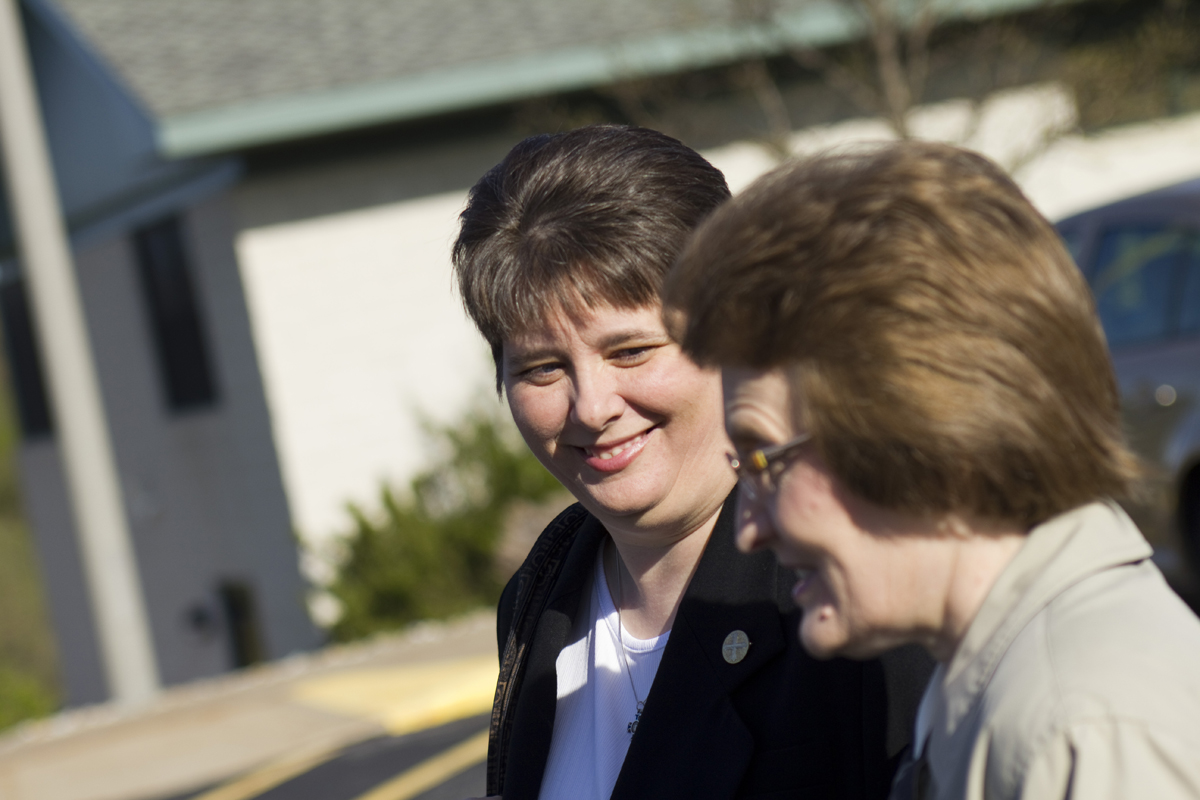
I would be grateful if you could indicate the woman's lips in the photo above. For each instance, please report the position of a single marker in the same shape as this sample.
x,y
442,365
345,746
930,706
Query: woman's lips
x,y
616,456
804,578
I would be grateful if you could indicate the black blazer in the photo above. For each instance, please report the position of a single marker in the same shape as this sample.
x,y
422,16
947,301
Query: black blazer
x,y
778,724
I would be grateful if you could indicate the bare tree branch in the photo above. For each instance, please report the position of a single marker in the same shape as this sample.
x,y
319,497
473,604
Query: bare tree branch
x,y
916,49
1047,138
631,97
900,56
843,80
889,65
766,91
884,74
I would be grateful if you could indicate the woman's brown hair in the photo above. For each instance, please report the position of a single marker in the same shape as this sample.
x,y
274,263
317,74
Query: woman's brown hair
x,y
945,347
594,216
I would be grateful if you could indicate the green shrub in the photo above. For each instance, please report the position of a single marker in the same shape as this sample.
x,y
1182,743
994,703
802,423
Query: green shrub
x,y
23,695
429,552
28,662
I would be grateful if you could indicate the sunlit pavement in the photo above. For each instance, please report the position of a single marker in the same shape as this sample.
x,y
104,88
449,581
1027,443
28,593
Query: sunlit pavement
x,y
398,718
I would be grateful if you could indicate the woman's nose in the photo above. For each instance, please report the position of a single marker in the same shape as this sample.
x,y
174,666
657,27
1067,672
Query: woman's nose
x,y
597,402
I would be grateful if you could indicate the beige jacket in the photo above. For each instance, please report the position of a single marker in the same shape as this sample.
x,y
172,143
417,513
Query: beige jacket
x,y
1079,677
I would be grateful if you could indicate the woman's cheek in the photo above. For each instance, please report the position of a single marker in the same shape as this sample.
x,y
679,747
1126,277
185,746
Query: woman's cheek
x,y
538,418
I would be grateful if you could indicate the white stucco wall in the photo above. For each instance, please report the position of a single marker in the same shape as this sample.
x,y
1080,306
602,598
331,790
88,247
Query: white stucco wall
x,y
359,333
1069,173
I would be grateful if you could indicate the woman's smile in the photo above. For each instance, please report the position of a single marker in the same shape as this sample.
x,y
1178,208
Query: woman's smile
x,y
612,407
845,553
616,456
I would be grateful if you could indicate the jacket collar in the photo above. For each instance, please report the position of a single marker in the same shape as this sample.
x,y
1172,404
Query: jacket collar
x,y
533,723
1056,555
690,718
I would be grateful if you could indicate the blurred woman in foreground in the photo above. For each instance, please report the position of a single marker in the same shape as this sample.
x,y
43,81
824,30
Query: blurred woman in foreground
x,y
927,433
641,654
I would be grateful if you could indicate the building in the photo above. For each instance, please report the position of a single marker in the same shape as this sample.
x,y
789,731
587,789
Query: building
x,y
360,124
153,245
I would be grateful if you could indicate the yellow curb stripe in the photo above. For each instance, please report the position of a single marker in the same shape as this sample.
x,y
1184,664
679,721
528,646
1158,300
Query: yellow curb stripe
x,y
272,775
432,771
407,698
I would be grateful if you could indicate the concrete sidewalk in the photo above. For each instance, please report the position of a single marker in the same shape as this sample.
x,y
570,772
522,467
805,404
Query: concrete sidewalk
x,y
206,733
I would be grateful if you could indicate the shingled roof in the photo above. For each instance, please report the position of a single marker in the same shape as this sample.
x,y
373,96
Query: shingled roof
x,y
222,74
184,55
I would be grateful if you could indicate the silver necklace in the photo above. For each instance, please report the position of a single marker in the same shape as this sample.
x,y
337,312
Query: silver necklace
x,y
632,727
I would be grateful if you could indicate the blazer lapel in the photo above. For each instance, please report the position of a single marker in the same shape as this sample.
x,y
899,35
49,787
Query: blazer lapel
x,y
689,717
533,722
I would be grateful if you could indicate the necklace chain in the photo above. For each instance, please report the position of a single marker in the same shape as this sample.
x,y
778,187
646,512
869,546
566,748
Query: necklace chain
x,y
631,728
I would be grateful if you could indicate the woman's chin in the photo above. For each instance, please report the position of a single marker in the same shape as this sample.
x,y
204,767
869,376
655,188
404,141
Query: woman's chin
x,y
824,638
611,510
619,498
821,636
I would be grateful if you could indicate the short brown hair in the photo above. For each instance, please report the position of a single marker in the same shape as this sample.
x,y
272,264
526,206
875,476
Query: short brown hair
x,y
596,215
945,346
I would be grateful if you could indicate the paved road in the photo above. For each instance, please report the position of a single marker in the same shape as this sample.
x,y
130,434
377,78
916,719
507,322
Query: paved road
x,y
400,718
396,718
448,759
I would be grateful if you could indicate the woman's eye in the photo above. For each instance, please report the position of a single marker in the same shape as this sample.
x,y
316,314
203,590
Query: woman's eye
x,y
633,355
541,373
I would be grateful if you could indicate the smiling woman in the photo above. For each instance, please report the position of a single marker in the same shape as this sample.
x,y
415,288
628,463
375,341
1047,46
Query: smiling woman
x,y
909,312
869,577
622,418
641,656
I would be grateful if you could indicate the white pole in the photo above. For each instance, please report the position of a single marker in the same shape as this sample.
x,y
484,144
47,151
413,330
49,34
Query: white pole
x,y
82,432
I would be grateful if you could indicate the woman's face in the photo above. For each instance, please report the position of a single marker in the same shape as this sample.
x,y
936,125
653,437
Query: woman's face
x,y
621,417
866,577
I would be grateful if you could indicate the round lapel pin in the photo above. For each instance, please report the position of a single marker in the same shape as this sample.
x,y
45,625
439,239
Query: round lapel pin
x,y
736,645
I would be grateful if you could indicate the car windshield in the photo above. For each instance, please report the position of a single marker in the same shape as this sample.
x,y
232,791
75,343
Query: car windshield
x,y
1146,280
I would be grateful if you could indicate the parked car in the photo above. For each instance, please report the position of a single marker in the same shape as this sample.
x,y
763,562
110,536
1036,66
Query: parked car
x,y
1141,257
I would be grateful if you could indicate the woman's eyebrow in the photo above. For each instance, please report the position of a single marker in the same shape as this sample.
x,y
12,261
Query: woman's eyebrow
x,y
517,357
618,338
525,357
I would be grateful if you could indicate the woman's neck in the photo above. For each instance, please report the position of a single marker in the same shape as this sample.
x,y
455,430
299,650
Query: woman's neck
x,y
979,559
653,577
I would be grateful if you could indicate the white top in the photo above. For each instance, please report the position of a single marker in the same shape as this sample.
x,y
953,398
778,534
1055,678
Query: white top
x,y
595,700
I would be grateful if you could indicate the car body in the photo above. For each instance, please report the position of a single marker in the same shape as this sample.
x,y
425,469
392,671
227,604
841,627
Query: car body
x,y
1141,257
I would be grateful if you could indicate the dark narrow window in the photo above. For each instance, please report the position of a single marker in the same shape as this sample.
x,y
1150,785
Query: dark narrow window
x,y
241,622
174,315
24,362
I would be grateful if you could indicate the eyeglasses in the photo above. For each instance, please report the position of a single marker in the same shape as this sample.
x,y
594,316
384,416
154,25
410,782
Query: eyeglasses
x,y
760,473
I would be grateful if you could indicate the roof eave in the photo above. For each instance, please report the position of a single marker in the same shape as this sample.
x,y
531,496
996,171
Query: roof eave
x,y
271,120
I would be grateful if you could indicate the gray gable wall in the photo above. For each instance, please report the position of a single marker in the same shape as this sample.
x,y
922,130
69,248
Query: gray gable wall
x,y
202,492
103,145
